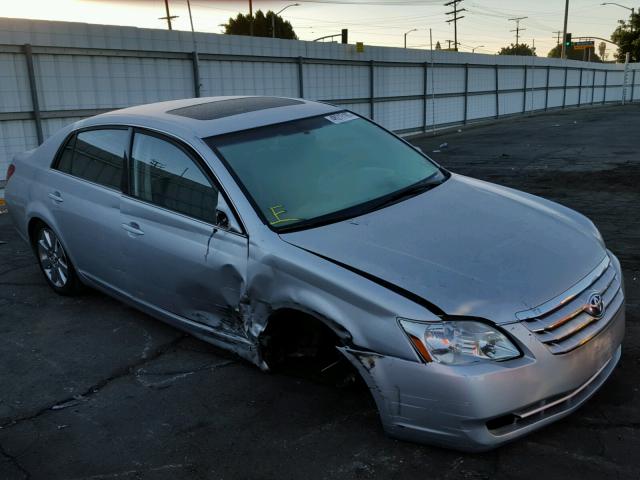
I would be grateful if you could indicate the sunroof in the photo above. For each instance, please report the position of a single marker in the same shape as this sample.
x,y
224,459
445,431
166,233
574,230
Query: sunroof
x,y
233,106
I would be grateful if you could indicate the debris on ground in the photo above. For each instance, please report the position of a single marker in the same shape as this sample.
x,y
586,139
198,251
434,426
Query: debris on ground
x,y
69,403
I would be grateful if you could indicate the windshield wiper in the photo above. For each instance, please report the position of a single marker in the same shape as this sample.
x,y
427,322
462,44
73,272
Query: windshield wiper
x,y
408,192
319,221
370,206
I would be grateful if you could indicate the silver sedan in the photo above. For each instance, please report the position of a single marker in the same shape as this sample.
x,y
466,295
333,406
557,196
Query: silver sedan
x,y
301,235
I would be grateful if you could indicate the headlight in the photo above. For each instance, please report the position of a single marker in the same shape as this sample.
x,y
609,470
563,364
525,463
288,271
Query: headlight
x,y
458,342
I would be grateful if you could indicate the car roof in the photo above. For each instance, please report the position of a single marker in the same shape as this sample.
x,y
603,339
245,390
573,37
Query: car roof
x,y
209,116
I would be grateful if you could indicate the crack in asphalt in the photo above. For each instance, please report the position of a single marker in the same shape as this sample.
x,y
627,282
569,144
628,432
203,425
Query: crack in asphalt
x,y
176,375
120,373
14,461
13,269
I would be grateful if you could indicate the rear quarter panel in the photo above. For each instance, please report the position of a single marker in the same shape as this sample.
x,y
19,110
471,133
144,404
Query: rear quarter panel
x,y
25,192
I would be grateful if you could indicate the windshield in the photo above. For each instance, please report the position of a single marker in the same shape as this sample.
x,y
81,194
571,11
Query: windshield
x,y
322,168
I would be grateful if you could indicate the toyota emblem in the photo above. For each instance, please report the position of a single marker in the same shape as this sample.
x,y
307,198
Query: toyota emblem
x,y
594,306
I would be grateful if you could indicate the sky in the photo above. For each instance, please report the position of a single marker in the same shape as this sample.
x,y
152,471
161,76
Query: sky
x,y
485,25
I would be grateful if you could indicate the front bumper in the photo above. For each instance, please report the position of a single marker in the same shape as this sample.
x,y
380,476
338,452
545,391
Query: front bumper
x,y
482,406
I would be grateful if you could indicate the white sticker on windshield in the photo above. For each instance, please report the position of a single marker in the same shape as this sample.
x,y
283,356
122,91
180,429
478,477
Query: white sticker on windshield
x,y
341,117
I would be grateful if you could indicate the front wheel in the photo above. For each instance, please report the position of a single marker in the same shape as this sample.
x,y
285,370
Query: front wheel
x,y
55,264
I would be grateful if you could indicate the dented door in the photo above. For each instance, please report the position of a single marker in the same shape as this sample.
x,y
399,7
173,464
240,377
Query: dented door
x,y
176,256
183,265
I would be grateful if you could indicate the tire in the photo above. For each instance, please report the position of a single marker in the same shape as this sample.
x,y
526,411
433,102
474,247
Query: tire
x,y
54,262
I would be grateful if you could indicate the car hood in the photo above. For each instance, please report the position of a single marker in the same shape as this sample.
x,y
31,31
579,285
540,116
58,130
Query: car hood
x,y
469,247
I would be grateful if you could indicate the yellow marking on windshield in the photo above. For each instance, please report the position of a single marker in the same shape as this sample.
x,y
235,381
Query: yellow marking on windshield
x,y
277,211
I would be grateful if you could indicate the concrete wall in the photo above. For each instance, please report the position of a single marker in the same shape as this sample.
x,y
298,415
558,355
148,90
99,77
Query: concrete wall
x,y
81,70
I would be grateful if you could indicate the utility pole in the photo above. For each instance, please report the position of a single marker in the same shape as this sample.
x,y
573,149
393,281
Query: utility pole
x,y
251,18
455,19
169,17
563,54
196,59
558,33
518,29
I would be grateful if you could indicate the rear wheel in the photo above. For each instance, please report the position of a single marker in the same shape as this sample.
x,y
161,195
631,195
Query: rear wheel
x,y
54,262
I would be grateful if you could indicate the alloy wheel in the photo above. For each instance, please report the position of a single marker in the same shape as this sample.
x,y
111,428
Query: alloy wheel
x,y
53,258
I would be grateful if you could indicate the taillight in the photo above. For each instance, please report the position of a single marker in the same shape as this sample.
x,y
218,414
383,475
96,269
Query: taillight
x,y
10,171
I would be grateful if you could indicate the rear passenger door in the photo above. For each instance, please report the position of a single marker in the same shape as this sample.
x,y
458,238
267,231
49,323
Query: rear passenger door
x,y
83,195
178,257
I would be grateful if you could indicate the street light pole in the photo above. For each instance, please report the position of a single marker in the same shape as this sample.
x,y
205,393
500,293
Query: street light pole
x,y
633,10
273,18
407,33
473,49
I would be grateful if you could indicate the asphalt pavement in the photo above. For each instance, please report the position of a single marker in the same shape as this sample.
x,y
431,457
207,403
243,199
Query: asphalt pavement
x,y
93,389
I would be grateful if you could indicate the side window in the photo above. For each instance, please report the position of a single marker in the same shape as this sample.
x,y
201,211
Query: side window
x,y
165,175
64,162
96,155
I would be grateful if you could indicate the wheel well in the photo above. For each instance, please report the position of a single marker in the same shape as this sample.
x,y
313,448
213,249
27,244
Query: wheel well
x,y
300,344
32,227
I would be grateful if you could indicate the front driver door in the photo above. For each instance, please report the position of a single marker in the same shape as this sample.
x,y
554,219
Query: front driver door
x,y
177,256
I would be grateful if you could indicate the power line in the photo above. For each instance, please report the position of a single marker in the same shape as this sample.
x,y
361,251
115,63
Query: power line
x,y
517,29
455,20
374,2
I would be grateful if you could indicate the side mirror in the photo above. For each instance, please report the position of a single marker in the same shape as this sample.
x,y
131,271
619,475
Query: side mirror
x,y
222,220
225,219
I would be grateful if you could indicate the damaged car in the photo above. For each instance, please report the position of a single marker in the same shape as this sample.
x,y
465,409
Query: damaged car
x,y
287,230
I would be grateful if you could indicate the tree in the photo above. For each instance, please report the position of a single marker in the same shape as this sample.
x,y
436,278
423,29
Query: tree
x,y
518,49
438,46
602,47
627,36
573,54
241,25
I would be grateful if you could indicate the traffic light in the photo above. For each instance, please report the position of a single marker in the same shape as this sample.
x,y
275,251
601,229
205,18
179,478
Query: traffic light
x,y
345,35
567,40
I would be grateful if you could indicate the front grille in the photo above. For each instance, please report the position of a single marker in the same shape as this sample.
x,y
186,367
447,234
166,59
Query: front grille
x,y
563,324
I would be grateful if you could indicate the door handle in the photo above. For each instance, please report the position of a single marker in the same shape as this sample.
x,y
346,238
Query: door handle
x,y
56,197
133,228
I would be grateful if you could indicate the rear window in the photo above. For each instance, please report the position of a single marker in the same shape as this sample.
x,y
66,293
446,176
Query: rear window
x,y
96,156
